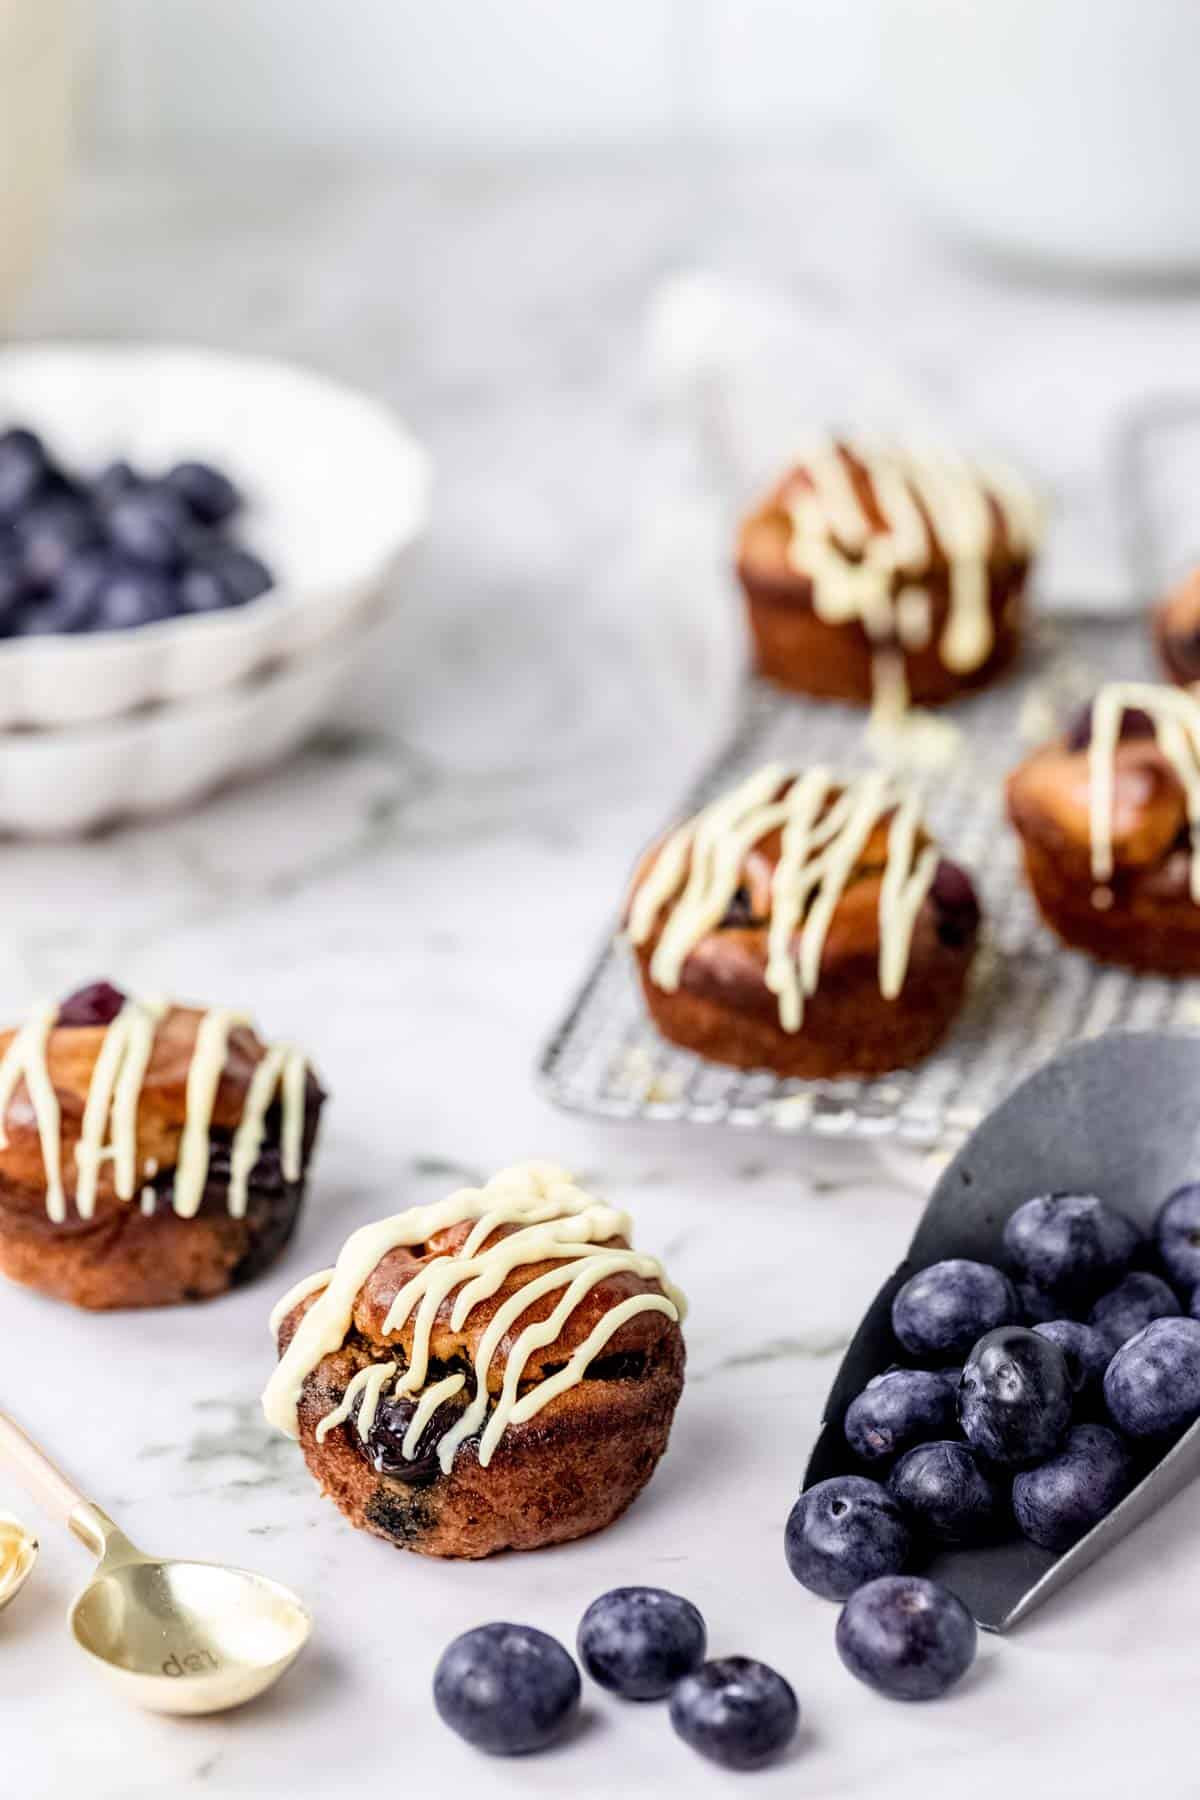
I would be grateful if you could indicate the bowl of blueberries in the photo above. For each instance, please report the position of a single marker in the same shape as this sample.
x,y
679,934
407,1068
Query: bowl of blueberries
x,y
193,546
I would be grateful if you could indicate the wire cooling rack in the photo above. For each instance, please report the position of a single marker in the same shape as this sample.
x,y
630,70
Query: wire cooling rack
x,y
1028,995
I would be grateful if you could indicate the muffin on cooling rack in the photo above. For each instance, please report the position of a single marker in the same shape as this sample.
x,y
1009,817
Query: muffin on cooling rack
x,y
806,924
864,555
1177,631
149,1152
495,1372
1103,818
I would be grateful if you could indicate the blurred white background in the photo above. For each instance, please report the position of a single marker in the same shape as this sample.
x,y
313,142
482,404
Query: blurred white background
x,y
503,74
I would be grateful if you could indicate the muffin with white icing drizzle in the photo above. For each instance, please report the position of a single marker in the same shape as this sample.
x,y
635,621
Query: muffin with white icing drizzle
x,y
805,923
871,566
1109,821
498,1371
150,1153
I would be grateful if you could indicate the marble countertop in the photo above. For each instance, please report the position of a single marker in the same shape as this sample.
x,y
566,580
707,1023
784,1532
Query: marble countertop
x,y
414,898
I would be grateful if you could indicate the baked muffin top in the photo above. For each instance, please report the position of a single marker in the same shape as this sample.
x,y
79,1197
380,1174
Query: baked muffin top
x,y
104,1091
789,875
1112,798
511,1290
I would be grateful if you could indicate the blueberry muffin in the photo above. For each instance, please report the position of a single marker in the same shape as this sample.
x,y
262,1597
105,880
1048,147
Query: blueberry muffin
x,y
495,1372
1103,818
150,1153
866,552
804,924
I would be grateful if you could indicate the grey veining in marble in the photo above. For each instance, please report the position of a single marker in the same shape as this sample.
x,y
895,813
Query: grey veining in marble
x,y
413,897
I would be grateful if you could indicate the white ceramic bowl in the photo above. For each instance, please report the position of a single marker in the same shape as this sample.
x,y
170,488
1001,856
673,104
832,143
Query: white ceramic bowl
x,y
335,488
65,783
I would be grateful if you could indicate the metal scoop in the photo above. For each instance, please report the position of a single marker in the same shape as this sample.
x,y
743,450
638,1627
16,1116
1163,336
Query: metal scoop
x,y
1119,1117
176,1637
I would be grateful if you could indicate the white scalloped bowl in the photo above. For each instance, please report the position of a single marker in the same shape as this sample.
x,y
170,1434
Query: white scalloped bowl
x,y
336,490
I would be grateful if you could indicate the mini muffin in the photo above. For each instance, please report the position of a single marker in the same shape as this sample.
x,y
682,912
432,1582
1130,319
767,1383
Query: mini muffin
x,y
1177,631
495,1372
803,924
861,553
149,1153
1102,814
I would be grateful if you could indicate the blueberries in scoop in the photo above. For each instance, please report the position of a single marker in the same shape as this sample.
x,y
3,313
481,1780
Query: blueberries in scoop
x,y
1014,1399
1177,1235
1152,1384
1060,1500
944,1309
507,1689
1132,1304
906,1637
897,1409
843,1532
737,1712
120,551
1070,1246
948,1494
639,1641
1086,1350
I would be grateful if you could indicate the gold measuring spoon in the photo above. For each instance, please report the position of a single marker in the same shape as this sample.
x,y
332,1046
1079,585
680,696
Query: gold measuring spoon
x,y
18,1553
176,1637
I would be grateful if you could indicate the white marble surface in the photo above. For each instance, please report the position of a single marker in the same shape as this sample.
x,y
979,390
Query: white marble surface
x,y
414,897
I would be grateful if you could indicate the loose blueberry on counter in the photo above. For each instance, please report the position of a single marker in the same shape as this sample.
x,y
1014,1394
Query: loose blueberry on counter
x,y
639,1641
1117,1316
737,1712
151,525
1015,1396
1152,1384
1071,1246
1086,1350
843,1532
897,1409
209,495
906,1637
1177,1235
946,1492
24,467
507,1689
1060,1500
96,1004
944,1309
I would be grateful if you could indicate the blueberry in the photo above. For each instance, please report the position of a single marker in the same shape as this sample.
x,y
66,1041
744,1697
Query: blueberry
x,y
1135,723
208,494
115,479
735,1711
23,469
1014,1399
14,589
80,586
1037,1306
639,1641
1177,1234
507,1689
46,615
956,903
96,1004
1086,1350
906,1637
897,1409
130,596
947,1493
1070,1245
843,1532
152,526
1132,1304
1152,1384
243,574
1056,1503
50,533
202,590
944,1309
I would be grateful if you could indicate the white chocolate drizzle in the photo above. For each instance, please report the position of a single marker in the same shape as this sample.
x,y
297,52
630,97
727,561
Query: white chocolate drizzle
x,y
545,1219
928,502
108,1129
1175,715
826,823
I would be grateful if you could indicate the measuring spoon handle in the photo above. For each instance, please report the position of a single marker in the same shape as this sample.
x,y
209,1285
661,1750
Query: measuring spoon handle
x,y
37,1474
